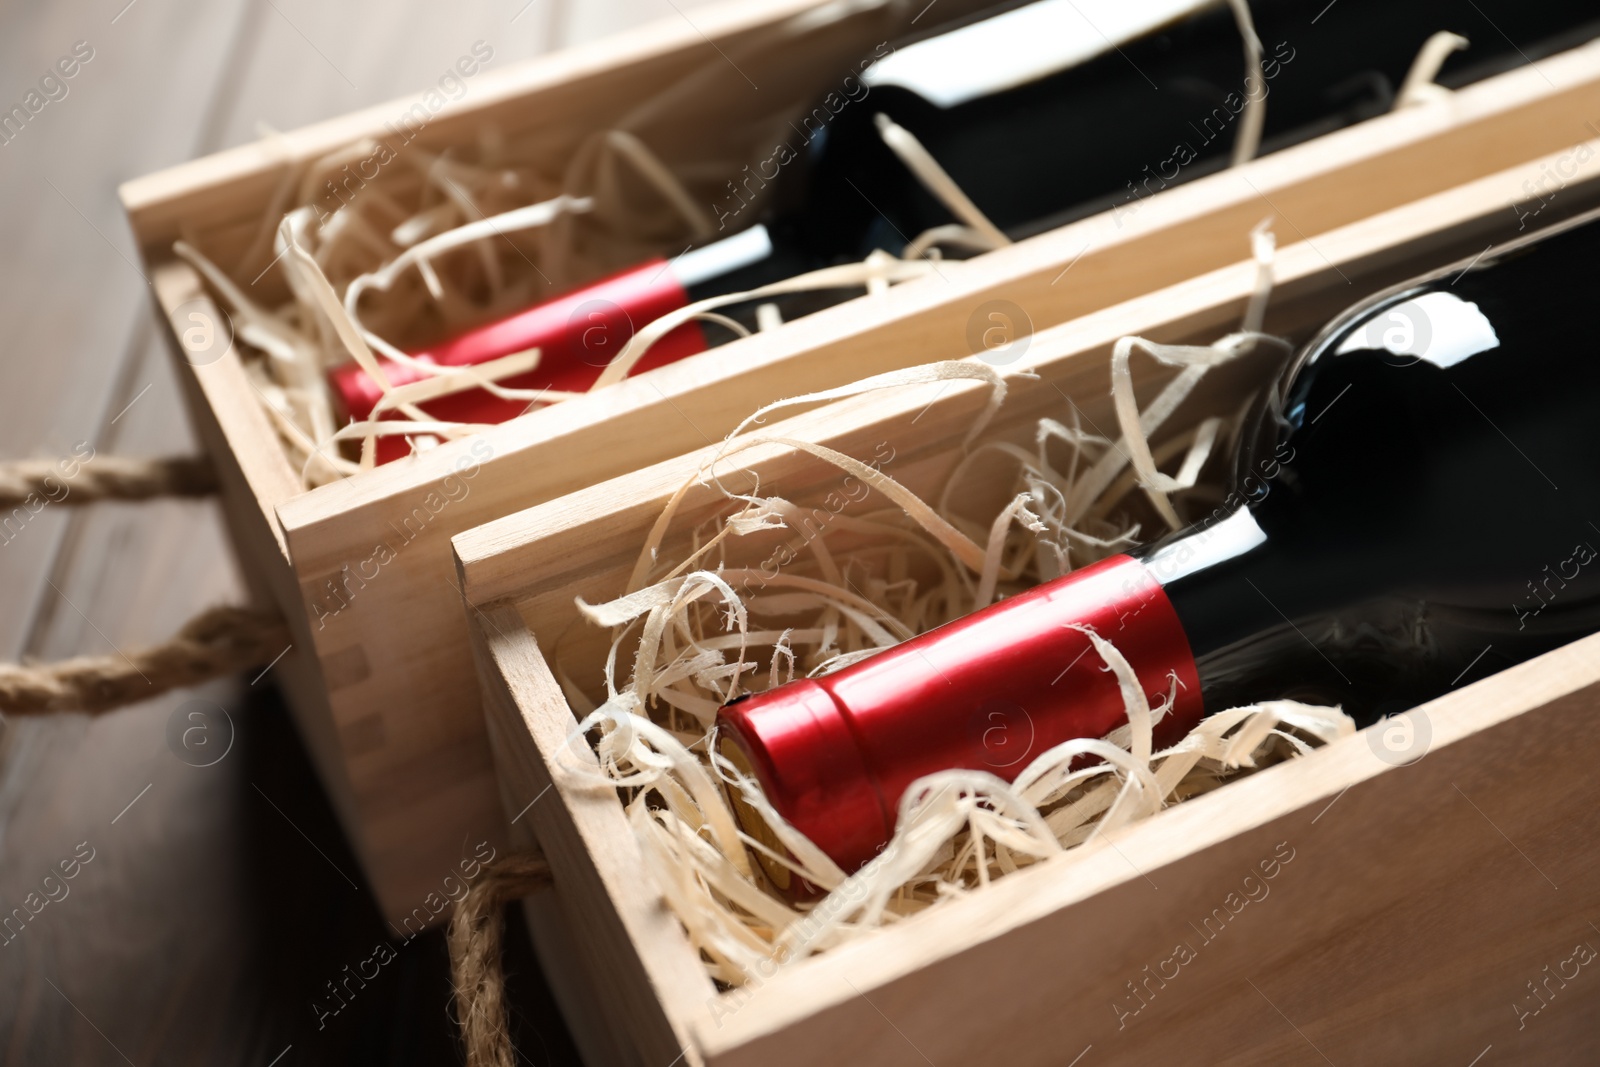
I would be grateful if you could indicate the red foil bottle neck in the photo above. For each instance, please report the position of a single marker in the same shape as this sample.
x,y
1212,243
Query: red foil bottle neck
x,y
991,691
577,335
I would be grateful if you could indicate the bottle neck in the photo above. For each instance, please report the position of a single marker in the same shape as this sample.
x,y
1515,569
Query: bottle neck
x,y
1214,576
1255,612
992,691
736,263
749,260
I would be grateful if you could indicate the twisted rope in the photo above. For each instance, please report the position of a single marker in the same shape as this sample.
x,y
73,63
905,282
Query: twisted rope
x,y
105,478
476,932
212,644
223,641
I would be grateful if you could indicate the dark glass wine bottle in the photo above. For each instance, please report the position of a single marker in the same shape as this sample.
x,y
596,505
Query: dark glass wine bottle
x,y
1127,122
1042,112
1417,507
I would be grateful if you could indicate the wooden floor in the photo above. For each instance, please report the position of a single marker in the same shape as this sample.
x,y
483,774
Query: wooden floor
x,y
220,902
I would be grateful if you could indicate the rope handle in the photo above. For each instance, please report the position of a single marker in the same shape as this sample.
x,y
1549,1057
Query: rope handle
x,y
222,641
26,482
216,642
477,931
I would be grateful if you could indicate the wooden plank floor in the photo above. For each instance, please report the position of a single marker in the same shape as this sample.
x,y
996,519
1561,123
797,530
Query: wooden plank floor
x,y
217,902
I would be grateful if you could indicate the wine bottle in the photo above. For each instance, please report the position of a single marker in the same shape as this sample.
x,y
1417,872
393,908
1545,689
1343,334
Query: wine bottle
x,y
1416,507
1042,112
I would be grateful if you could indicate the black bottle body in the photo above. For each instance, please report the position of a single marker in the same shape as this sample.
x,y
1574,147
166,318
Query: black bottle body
x,y
1110,131
1423,505
1156,111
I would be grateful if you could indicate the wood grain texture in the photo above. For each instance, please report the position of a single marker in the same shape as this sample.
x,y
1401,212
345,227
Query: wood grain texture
x,y
584,543
76,308
424,769
399,731
562,97
312,62
609,909
1364,955
1418,903
77,291
157,953
1312,190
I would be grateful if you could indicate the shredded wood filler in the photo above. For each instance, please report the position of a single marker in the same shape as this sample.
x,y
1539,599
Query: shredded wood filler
x,y
693,631
441,241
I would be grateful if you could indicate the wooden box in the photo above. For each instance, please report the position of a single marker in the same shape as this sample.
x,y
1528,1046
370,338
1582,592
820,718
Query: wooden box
x,y
382,688
1412,910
